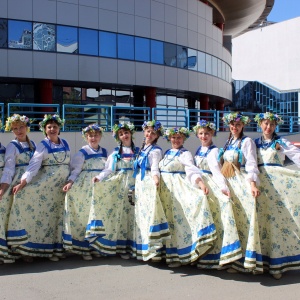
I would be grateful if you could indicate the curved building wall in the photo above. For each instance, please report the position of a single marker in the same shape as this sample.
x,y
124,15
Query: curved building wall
x,y
184,23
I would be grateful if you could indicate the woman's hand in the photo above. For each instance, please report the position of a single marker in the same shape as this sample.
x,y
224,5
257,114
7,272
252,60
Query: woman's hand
x,y
95,179
19,186
202,186
3,188
156,180
67,186
254,190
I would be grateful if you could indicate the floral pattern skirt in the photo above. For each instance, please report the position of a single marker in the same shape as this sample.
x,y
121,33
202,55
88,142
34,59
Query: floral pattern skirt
x,y
227,248
189,217
151,226
279,218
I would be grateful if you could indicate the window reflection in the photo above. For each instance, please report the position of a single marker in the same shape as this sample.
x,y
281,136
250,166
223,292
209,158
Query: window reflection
x,y
142,49
170,55
192,60
3,33
88,41
43,37
125,46
67,39
19,34
208,64
201,62
157,52
182,57
107,44
214,66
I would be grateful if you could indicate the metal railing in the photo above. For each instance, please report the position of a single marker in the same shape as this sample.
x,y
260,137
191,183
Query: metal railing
x,y
79,116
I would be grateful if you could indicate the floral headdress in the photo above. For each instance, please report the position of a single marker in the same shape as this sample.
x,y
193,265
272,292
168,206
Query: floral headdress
x,y
203,124
122,125
157,126
17,118
92,128
236,117
171,131
268,116
56,118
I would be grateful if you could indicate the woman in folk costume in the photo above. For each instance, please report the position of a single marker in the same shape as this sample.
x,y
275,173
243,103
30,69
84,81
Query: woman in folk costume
x,y
186,207
151,225
279,203
227,246
239,162
85,164
2,155
110,205
36,219
18,153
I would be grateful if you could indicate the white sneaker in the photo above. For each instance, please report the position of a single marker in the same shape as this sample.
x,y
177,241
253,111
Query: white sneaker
x,y
87,257
53,258
277,276
125,256
175,264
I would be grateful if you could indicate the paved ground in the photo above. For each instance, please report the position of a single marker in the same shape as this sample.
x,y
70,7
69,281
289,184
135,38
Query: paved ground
x,y
114,278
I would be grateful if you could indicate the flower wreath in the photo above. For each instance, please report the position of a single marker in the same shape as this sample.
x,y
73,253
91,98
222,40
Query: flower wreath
x,y
157,126
122,125
56,118
236,117
17,118
268,116
92,128
203,124
171,131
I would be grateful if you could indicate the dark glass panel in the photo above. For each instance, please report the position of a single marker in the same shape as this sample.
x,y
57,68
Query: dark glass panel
x,y
192,61
182,57
3,33
157,52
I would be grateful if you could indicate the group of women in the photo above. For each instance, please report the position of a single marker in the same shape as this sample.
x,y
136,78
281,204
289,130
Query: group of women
x,y
234,208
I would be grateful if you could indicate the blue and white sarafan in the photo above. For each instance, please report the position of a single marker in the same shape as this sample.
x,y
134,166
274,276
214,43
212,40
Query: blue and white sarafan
x,y
157,126
176,130
268,116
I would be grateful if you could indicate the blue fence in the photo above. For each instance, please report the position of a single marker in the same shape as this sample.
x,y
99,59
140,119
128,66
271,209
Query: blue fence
x,y
79,116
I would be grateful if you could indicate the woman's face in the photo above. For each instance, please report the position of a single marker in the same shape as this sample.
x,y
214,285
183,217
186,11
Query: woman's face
x,y
20,131
236,128
268,128
93,139
52,130
150,135
124,136
205,136
177,140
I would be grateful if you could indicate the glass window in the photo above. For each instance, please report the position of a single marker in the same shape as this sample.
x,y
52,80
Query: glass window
x,y
192,59
219,68
44,37
67,39
182,55
3,33
157,52
201,62
19,34
208,64
214,66
88,41
170,55
223,70
142,49
125,46
107,44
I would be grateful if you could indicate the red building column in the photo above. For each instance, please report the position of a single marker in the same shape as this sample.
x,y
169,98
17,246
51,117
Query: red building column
x,y
45,93
220,26
150,94
204,104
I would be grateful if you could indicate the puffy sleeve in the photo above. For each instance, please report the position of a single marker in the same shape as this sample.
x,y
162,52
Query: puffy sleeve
x,y
291,151
9,164
35,162
214,166
108,169
192,172
249,152
155,157
76,164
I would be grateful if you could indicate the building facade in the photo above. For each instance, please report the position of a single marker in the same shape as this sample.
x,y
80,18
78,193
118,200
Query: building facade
x,y
154,53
